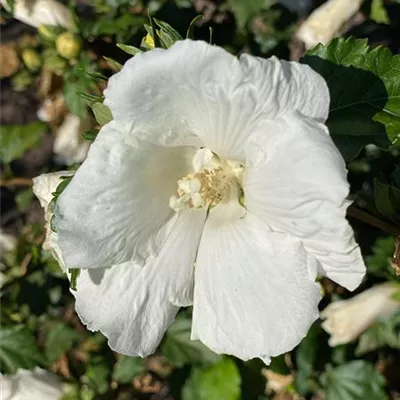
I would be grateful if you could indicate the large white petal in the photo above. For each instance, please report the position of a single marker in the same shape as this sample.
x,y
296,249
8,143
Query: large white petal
x,y
185,91
296,181
116,208
133,305
255,294
197,90
282,86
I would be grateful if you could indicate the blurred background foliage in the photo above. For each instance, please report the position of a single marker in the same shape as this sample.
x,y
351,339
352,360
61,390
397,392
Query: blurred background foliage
x,y
51,92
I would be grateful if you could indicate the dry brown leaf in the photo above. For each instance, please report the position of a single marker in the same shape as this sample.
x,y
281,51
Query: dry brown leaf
x,y
9,60
276,382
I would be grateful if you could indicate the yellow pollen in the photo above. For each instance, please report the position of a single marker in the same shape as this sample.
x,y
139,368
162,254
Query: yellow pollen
x,y
213,182
199,189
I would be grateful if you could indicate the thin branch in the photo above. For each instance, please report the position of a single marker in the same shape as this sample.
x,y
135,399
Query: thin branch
x,y
16,182
370,219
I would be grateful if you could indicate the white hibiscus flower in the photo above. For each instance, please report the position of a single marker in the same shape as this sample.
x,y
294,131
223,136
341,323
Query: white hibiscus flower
x,y
38,12
30,385
346,320
216,185
44,186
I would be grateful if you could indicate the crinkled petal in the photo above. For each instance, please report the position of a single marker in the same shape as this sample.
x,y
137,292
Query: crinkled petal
x,y
255,294
296,182
116,208
282,86
205,96
133,305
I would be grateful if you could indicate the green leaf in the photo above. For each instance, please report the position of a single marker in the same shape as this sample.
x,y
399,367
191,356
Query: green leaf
x,y
123,27
97,76
306,356
77,80
53,225
219,381
278,365
395,177
102,113
91,98
364,86
63,184
167,34
387,200
379,13
180,350
253,381
132,50
356,380
244,10
16,139
152,31
127,368
378,264
60,339
9,6
97,373
18,349
23,199
396,295
193,23
114,64
384,332
90,135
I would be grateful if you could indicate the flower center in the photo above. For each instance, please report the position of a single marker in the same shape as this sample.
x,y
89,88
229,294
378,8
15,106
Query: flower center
x,y
213,181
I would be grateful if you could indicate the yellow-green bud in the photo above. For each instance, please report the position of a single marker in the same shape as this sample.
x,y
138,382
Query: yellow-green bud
x,y
49,32
31,59
68,45
149,41
21,81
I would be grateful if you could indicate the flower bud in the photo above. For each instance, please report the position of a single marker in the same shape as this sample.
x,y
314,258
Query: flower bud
x,y
54,62
21,81
43,187
347,319
31,59
49,32
68,45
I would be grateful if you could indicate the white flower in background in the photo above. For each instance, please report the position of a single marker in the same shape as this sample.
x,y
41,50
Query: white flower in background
x,y
44,186
69,144
53,109
38,12
325,22
216,185
31,385
346,320
7,242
